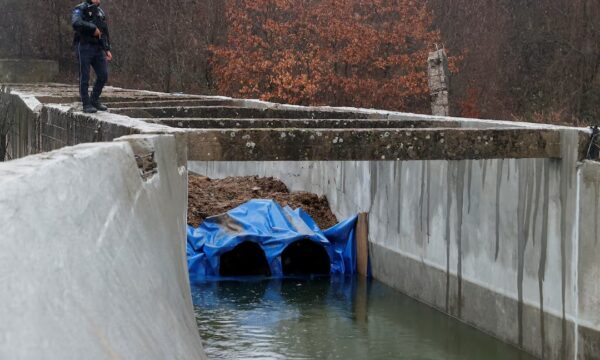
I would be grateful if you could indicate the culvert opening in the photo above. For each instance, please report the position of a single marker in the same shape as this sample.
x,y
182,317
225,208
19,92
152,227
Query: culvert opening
x,y
305,257
246,259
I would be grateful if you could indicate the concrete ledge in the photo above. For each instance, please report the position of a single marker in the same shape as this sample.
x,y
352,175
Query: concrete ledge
x,y
372,144
125,99
170,103
238,112
299,123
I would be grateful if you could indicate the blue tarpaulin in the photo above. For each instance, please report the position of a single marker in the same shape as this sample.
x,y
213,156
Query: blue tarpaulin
x,y
273,228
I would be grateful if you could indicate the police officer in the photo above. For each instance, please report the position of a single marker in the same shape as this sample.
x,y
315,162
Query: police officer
x,y
92,44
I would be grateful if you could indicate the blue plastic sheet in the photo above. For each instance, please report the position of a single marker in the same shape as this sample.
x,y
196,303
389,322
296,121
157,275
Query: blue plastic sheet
x,y
273,228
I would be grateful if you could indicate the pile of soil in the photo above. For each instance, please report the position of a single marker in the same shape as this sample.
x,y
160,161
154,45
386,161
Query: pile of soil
x,y
208,197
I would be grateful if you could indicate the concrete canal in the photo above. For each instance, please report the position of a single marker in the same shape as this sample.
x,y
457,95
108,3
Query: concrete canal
x,y
331,318
493,223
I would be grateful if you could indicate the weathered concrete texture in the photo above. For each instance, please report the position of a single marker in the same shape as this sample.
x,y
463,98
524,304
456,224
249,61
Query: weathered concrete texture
x,y
171,103
93,256
30,127
238,112
61,127
589,261
492,242
50,93
371,144
300,123
19,126
27,71
119,100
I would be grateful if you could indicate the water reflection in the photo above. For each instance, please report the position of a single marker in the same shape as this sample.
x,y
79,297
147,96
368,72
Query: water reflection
x,y
330,318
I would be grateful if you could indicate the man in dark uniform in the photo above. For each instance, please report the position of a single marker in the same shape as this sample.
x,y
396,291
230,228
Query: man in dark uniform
x,y
92,44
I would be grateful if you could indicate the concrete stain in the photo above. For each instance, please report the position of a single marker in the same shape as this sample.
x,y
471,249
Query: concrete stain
x,y
343,178
500,166
460,189
428,201
483,177
373,189
422,196
596,213
525,204
538,174
449,176
470,179
520,255
568,165
400,197
544,254
387,213
530,204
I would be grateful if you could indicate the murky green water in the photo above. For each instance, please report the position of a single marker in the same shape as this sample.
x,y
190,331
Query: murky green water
x,y
338,318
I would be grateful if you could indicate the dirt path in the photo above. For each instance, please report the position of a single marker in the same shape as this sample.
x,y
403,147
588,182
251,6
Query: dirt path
x,y
209,197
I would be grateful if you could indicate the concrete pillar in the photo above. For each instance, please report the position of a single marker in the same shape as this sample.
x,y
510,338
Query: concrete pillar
x,y
439,82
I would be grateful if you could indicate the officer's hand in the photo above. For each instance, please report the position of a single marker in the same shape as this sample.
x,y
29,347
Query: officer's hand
x,y
108,56
97,33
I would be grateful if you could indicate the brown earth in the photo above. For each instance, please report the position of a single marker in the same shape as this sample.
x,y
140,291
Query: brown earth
x,y
209,197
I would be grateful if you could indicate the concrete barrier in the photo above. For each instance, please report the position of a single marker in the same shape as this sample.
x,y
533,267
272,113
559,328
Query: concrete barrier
x,y
92,260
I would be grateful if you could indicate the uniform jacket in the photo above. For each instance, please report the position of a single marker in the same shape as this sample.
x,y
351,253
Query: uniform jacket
x,y
85,19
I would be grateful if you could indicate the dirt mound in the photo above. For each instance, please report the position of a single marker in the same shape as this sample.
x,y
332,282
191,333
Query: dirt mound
x,y
208,197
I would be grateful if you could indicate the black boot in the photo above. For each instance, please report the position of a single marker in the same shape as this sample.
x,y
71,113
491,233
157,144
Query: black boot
x,y
89,109
98,105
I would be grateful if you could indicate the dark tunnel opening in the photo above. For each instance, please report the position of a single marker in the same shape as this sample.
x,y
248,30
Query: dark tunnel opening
x,y
305,257
246,259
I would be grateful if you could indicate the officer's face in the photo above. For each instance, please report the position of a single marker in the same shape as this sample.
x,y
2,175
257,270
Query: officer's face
x,y
96,2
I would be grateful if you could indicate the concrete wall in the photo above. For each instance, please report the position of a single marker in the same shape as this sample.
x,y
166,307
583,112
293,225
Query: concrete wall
x,y
589,259
93,254
29,127
20,133
492,242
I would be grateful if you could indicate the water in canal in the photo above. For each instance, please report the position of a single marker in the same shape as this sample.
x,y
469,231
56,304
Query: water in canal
x,y
331,318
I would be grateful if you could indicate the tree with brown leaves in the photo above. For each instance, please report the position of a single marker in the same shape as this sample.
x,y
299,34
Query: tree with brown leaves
x,y
336,52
